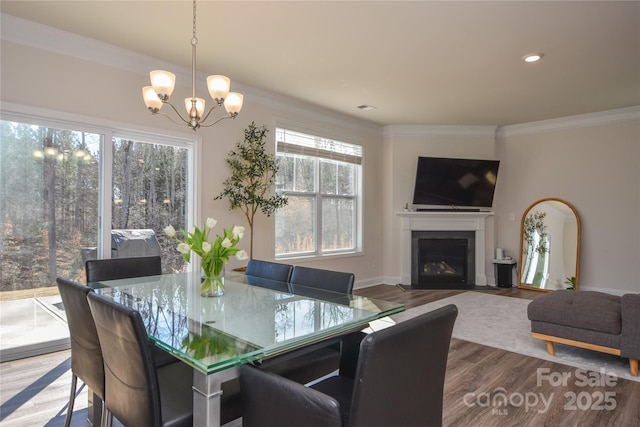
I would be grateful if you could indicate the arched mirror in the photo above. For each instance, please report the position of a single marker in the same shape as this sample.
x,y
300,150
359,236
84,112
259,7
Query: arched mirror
x,y
550,246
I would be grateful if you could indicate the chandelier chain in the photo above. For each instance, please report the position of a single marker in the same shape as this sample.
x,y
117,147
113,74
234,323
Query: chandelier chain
x,y
195,39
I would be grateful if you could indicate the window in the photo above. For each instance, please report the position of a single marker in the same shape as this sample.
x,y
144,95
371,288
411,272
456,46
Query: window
x,y
52,181
322,180
48,209
150,182
64,186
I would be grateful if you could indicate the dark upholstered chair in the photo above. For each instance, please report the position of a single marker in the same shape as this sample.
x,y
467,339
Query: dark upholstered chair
x,y
136,392
303,365
86,355
269,270
268,274
310,363
98,270
122,268
397,380
328,280
587,319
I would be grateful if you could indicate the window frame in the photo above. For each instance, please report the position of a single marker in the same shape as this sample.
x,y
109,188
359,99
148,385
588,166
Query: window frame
x,y
318,196
109,130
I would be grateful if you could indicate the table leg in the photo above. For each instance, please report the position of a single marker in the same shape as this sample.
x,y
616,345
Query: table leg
x,y
207,393
94,408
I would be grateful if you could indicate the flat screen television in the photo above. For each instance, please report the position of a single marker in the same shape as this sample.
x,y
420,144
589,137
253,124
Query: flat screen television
x,y
455,183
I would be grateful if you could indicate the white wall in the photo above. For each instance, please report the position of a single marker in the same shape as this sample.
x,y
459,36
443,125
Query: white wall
x,y
593,162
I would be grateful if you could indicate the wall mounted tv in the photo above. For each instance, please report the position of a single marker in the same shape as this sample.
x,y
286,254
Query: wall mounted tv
x,y
455,183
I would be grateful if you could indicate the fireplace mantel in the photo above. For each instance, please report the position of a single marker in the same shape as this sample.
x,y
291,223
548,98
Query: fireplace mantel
x,y
444,221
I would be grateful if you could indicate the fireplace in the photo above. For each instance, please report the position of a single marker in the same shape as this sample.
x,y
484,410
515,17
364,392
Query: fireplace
x,y
472,226
441,259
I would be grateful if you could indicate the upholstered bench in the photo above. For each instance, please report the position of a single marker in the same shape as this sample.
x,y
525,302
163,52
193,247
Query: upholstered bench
x,y
592,320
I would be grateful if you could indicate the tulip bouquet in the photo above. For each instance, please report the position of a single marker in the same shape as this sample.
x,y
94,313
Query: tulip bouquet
x,y
214,254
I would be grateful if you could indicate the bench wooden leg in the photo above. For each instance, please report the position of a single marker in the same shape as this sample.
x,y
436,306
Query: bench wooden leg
x,y
633,364
550,349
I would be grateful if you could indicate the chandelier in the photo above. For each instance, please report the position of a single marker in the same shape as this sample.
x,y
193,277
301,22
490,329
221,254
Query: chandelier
x,y
163,83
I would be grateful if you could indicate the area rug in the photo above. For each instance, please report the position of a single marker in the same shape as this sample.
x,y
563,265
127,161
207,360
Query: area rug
x,y
501,322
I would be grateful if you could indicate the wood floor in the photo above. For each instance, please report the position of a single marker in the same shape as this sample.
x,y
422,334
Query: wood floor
x,y
34,391
479,376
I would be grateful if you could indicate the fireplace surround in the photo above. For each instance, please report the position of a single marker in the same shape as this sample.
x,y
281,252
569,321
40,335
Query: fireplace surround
x,y
441,259
449,223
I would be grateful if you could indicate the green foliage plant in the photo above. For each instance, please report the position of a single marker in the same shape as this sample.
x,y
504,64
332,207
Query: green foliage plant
x,y
571,281
534,223
253,173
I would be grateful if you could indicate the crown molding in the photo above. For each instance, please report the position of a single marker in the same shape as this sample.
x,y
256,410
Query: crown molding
x,y
440,130
571,122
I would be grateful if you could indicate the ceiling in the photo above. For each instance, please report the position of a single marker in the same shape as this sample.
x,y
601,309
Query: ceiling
x,y
417,63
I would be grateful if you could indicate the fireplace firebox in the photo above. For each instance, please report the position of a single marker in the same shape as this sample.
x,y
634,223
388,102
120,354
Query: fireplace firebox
x,y
443,259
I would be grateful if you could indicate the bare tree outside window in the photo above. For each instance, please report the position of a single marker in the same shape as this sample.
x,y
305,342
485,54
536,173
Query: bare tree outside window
x,y
321,179
49,206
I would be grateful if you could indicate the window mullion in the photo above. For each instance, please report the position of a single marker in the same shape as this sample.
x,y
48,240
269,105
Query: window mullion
x,y
105,195
318,222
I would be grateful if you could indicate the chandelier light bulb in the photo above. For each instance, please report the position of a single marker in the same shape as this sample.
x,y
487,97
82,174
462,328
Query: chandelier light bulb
x,y
151,99
163,82
233,103
218,87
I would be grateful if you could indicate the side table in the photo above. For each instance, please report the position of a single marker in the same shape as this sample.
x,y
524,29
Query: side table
x,y
504,272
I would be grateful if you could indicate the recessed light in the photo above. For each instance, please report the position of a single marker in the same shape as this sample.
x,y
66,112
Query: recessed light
x,y
365,107
532,57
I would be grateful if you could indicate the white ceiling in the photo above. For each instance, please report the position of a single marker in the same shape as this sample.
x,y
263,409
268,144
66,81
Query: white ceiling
x,y
418,62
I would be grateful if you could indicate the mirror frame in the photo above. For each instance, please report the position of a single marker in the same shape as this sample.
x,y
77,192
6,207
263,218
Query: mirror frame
x,y
520,259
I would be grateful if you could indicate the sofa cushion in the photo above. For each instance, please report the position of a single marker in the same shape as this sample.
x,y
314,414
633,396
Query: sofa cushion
x,y
594,311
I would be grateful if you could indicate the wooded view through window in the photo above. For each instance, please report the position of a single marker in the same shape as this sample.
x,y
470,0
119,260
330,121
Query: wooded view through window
x,y
50,187
321,178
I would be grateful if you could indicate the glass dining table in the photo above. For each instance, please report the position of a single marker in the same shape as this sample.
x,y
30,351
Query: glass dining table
x,y
256,319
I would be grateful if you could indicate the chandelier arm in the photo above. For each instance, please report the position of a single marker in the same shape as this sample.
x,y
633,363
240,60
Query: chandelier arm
x,y
221,118
206,116
177,112
166,116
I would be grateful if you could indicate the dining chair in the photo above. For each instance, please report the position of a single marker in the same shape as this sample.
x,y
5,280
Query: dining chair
x,y
269,270
303,365
267,274
98,270
86,354
137,392
328,280
393,377
315,361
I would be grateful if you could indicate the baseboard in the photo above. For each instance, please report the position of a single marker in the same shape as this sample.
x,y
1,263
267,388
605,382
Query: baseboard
x,y
366,283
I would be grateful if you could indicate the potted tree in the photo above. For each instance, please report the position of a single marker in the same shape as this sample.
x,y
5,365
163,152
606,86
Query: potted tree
x,y
253,172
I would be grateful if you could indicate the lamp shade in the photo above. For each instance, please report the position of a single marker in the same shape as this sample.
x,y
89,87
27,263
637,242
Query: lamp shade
x,y
200,103
233,103
218,87
151,99
163,82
